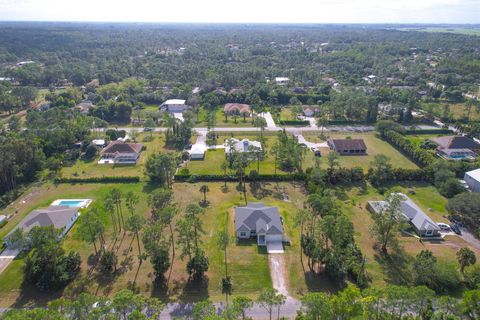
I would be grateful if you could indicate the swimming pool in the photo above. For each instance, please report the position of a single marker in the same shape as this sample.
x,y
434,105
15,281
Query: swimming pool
x,y
73,203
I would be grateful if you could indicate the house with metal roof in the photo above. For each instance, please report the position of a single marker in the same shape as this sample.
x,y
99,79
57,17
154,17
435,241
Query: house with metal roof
x,y
175,105
60,217
245,145
347,146
472,179
261,223
423,225
119,152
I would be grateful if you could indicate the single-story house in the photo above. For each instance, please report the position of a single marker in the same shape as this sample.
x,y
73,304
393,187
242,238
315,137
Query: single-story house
x,y
282,80
419,220
244,145
99,142
457,154
347,146
197,152
456,142
119,152
472,179
84,106
310,111
175,105
237,108
61,217
262,223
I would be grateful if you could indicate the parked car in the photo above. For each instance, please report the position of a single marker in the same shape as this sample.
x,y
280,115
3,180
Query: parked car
x,y
444,226
147,129
456,229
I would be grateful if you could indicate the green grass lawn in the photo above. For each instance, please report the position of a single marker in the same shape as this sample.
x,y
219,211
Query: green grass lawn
x,y
374,146
380,271
220,120
248,266
88,169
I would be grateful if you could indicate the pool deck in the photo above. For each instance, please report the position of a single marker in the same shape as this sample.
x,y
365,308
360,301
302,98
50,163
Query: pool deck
x,y
83,203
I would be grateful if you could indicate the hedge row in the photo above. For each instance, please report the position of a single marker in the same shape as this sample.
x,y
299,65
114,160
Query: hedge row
x,y
295,122
230,178
418,155
98,180
430,131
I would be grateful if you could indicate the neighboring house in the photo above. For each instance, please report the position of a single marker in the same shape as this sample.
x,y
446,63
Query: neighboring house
x,y
175,105
262,223
282,80
472,179
347,146
84,106
197,152
456,142
457,154
237,108
419,220
244,145
99,142
310,111
61,217
119,152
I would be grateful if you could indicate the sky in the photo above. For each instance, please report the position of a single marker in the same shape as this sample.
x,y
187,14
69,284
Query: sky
x,y
245,11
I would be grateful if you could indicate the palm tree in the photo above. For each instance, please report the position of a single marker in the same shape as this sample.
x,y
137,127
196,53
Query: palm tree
x,y
109,205
204,189
116,196
222,243
465,258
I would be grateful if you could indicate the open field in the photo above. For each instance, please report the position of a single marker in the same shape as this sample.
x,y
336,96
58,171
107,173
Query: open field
x,y
458,111
460,30
374,146
88,169
220,119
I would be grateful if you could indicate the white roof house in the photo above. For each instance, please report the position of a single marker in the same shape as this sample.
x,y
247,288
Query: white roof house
x,y
472,179
282,80
244,145
175,105
197,152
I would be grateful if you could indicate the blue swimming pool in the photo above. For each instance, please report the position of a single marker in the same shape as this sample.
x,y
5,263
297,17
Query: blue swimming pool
x,y
71,203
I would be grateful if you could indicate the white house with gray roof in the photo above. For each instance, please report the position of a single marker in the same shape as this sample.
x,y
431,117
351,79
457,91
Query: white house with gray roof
x,y
262,223
60,217
424,226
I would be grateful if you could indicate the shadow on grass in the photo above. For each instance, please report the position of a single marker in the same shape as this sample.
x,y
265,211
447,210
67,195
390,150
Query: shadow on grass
x,y
30,296
321,282
193,290
258,191
395,266
251,242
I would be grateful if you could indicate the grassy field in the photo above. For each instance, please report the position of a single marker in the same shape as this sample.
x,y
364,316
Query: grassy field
x,y
458,111
88,169
220,119
374,146
248,266
396,270
467,31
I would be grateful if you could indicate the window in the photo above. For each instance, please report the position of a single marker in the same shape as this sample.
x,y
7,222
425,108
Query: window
x,y
429,232
243,234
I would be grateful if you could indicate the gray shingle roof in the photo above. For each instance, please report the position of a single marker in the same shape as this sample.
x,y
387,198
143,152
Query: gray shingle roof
x,y
256,216
58,216
419,219
455,142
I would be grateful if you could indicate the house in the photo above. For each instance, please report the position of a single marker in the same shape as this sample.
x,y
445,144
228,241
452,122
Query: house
x,y
261,223
456,142
61,217
457,154
119,152
347,146
197,152
419,220
472,179
244,145
84,107
237,109
282,80
310,111
174,105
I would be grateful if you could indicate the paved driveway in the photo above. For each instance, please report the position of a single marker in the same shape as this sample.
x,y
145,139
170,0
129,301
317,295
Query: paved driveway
x,y
268,118
6,257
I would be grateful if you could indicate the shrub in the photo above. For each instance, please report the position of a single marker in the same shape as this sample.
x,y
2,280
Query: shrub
x,y
119,179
